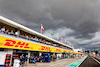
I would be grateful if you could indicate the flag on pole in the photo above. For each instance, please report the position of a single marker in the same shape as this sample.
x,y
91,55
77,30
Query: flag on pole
x,y
51,32
62,38
57,37
42,28
71,44
65,41
68,42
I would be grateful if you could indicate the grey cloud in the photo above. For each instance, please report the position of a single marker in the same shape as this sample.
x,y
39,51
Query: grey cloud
x,y
76,19
61,32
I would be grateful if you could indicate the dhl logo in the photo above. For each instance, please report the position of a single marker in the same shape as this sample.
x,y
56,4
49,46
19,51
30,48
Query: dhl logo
x,y
11,43
65,51
24,45
69,51
45,48
58,50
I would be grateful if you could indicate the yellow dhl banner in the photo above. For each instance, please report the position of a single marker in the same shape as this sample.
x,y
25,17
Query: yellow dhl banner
x,y
17,44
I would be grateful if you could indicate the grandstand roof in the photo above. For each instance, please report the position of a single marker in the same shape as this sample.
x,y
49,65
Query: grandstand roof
x,y
26,29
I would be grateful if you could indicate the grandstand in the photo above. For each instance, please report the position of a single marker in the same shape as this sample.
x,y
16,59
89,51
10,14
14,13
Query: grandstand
x,y
18,39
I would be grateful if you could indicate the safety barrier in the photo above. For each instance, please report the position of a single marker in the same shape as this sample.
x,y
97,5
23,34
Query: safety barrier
x,y
96,59
15,56
77,63
2,66
7,60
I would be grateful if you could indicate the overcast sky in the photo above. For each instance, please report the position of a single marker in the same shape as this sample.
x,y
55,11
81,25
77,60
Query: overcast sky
x,y
77,21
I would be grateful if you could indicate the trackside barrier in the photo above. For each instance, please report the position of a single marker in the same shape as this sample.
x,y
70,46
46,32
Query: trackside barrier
x,y
15,56
7,60
96,59
77,63
2,66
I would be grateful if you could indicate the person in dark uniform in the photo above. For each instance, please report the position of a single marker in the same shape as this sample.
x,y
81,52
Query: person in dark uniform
x,y
20,60
40,58
54,58
49,57
26,60
34,61
23,59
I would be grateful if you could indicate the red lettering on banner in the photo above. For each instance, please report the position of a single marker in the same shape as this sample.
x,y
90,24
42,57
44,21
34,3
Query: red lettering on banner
x,y
49,49
58,50
20,44
64,50
10,43
26,46
45,48
69,51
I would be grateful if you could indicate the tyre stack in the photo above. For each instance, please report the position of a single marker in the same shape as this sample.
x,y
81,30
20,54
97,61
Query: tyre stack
x,y
7,60
15,56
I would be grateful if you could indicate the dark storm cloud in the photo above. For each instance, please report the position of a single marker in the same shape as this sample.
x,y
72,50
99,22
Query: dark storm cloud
x,y
81,18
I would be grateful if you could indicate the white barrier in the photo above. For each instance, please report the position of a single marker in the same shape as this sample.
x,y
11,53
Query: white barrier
x,y
16,63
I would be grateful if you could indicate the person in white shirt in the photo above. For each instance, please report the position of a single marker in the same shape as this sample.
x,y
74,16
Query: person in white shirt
x,y
17,33
31,38
7,31
36,39
12,32
3,29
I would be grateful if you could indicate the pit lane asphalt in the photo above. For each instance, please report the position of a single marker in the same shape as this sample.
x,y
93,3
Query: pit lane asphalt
x,y
58,63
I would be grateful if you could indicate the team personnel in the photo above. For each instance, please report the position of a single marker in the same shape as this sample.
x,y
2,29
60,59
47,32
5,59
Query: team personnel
x,y
34,60
54,58
26,60
22,60
40,58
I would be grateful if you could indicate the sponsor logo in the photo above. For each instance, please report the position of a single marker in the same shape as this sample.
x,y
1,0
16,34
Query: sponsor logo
x,y
19,44
58,50
65,51
45,48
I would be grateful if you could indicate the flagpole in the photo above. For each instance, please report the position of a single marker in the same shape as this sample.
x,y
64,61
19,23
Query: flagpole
x,y
41,28
57,37
50,33
72,45
61,40
41,31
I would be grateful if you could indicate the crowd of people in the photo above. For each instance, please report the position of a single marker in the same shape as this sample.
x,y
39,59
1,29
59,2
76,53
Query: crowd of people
x,y
29,37
23,59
